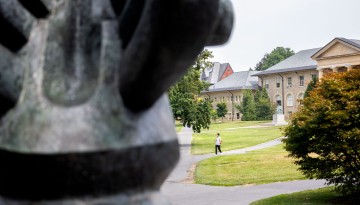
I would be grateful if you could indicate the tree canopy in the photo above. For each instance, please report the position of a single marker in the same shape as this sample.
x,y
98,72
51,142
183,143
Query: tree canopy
x,y
264,108
275,56
324,135
221,109
256,106
247,106
310,86
184,96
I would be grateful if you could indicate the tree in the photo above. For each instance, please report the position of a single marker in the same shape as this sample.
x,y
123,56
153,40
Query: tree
x,y
263,107
247,106
213,115
277,55
221,110
310,86
184,96
324,135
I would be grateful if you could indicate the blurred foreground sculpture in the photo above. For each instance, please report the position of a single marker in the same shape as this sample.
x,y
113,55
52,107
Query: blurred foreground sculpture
x,y
84,115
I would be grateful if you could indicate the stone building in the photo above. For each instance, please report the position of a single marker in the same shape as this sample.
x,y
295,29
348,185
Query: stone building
x,y
287,81
229,90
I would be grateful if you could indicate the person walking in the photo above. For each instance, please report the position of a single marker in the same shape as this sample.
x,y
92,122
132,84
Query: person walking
x,y
218,142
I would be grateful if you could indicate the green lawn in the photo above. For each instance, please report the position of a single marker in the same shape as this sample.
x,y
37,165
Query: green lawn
x,y
257,167
234,136
178,126
324,196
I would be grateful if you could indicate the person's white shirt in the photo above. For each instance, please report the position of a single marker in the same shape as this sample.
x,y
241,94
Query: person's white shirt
x,y
218,140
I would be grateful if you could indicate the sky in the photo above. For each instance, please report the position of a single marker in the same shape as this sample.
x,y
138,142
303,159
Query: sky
x,y
262,25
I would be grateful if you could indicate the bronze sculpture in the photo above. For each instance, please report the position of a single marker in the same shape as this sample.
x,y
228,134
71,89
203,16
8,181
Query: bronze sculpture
x,y
85,118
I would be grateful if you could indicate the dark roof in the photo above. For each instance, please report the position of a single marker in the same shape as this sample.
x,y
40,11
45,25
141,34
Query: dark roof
x,y
300,61
236,81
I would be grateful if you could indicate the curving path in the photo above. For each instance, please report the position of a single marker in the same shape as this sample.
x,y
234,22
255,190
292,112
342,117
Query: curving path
x,y
179,189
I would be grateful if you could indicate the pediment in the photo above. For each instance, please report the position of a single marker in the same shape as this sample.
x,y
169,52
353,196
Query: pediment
x,y
336,48
339,49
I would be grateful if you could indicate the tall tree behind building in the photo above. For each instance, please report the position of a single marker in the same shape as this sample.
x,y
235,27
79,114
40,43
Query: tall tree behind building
x,y
185,102
277,55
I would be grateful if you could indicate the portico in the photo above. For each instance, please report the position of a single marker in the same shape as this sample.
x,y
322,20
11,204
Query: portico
x,y
340,55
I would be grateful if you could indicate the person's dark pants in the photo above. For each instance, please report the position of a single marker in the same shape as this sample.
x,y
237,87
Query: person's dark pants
x,y
216,148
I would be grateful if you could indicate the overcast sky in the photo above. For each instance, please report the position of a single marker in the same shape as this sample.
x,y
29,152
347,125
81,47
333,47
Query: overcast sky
x,y
262,25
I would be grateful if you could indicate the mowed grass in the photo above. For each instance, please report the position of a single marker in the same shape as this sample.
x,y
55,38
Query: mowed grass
x,y
257,167
234,136
178,127
323,196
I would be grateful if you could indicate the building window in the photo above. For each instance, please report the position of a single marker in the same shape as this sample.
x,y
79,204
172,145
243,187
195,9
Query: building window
x,y
290,100
301,79
289,82
278,82
266,84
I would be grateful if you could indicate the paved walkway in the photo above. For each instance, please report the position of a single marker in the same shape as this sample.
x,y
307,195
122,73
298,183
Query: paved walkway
x,y
179,189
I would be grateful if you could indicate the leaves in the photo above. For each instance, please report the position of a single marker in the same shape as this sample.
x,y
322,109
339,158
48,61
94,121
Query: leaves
x,y
328,125
256,107
184,96
277,55
221,110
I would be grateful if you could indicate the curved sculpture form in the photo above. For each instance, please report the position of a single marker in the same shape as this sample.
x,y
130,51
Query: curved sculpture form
x,y
86,120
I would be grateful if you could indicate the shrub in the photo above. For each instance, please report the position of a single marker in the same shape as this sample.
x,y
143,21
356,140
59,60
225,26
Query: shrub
x,y
324,135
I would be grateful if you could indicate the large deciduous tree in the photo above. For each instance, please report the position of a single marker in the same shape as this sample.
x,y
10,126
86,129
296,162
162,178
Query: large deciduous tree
x,y
324,135
184,96
274,57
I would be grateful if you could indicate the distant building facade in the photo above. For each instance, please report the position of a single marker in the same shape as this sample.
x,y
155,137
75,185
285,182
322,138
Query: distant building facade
x,y
227,86
287,81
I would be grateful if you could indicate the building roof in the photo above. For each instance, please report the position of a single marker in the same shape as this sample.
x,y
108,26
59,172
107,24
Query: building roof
x,y
236,81
214,73
223,67
352,42
300,61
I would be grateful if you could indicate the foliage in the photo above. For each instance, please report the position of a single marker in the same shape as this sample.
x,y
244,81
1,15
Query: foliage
x,y
310,86
277,55
221,109
256,107
247,106
254,167
324,135
213,115
184,100
264,108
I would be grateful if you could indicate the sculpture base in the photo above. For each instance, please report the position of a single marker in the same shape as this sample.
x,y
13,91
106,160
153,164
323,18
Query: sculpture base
x,y
148,198
126,176
278,119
